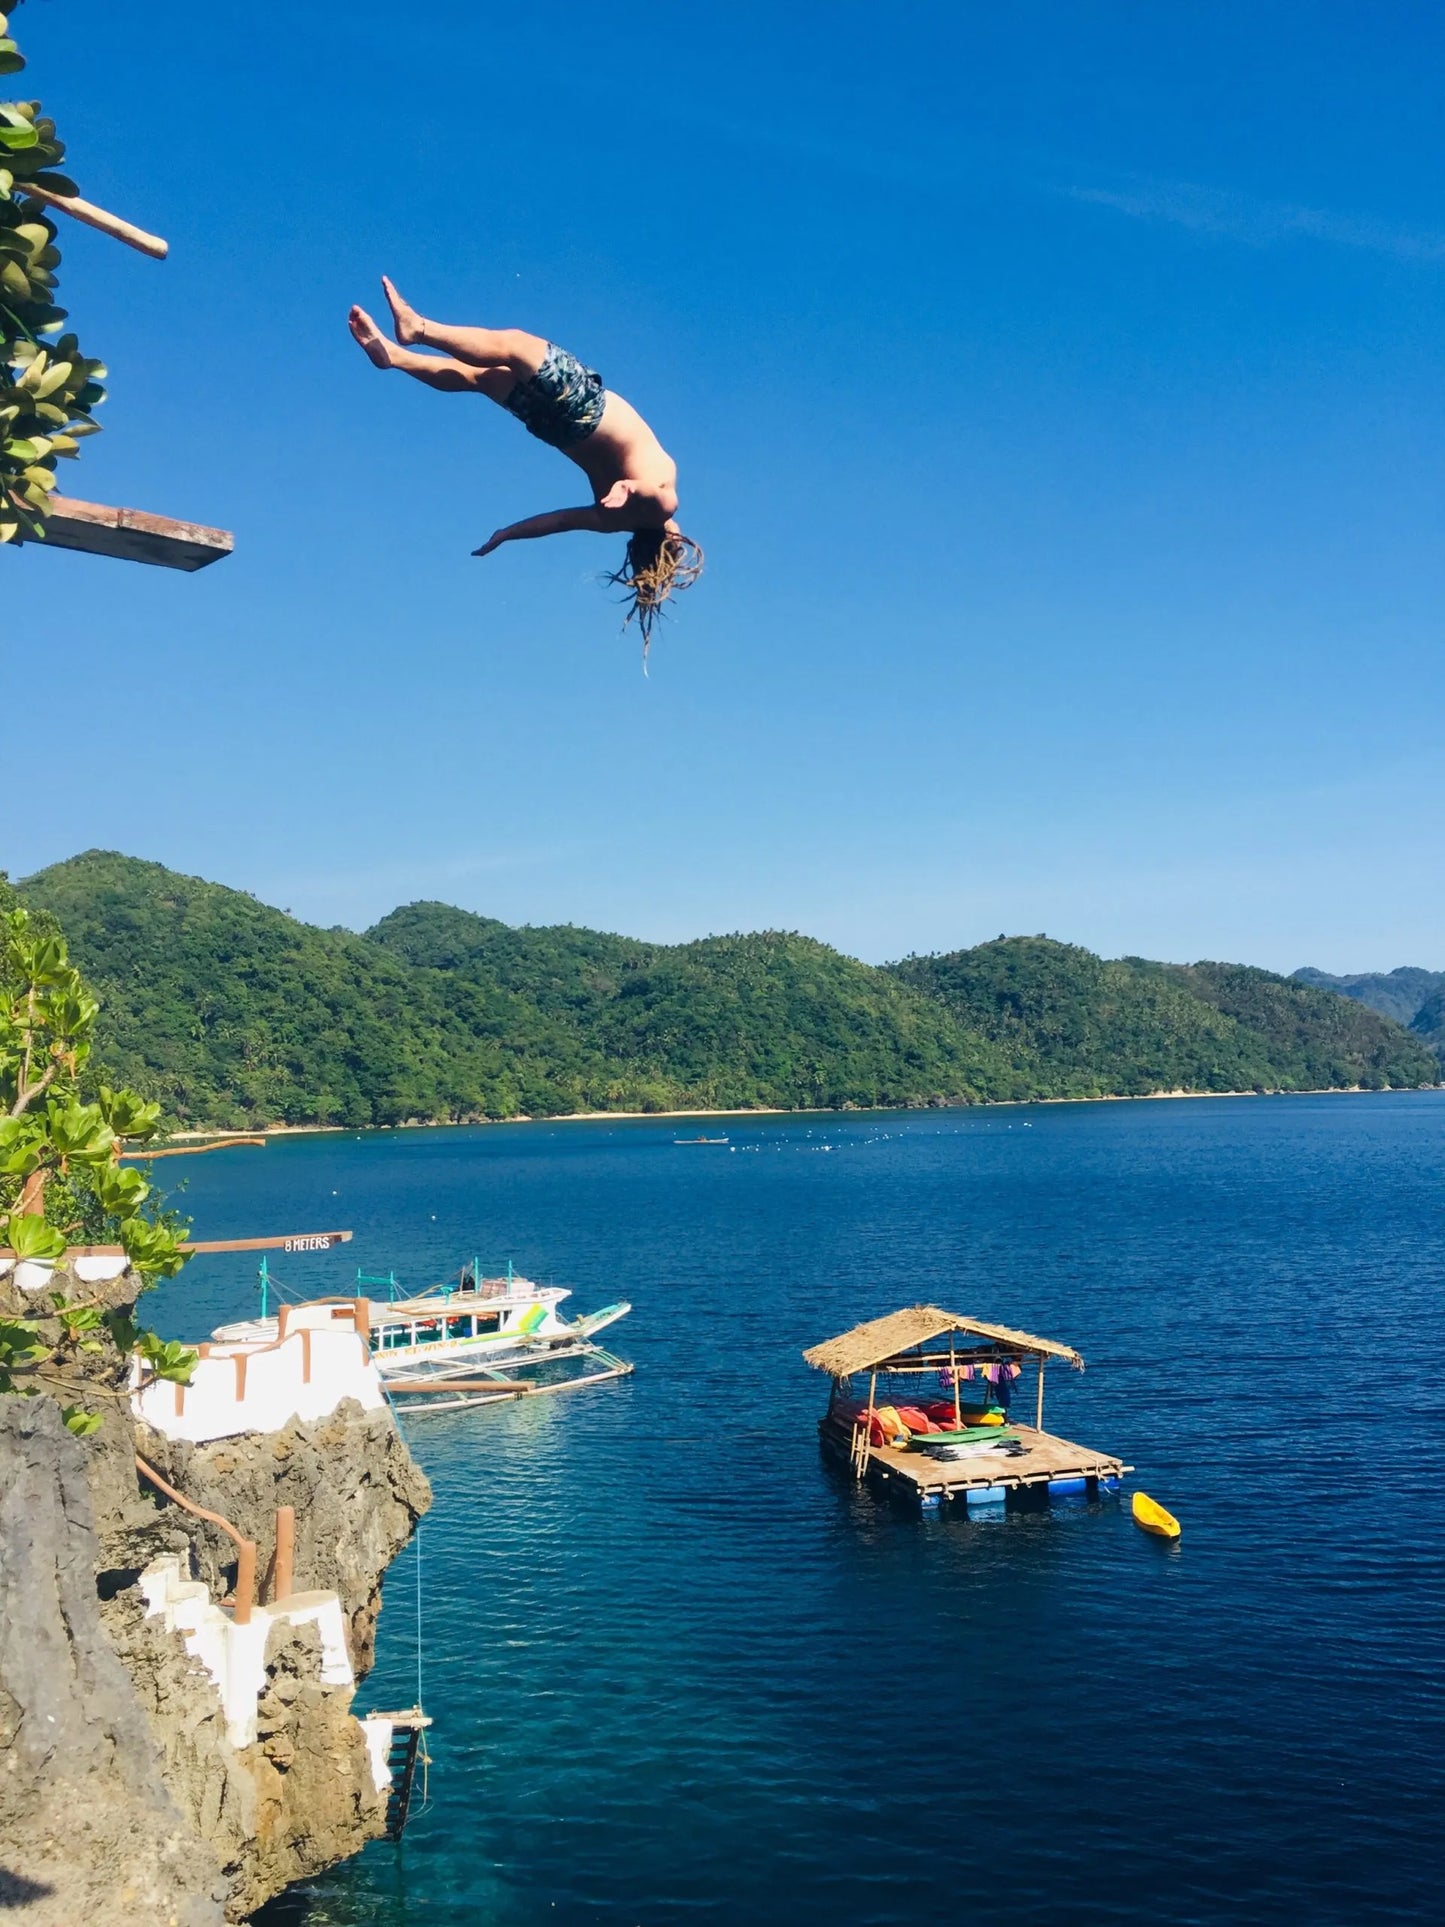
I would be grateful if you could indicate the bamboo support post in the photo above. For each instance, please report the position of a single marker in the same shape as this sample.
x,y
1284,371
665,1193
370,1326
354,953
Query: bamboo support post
x,y
866,1441
953,1374
100,219
1039,1416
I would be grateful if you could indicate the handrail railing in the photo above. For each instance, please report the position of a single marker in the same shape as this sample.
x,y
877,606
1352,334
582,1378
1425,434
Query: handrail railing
x,y
280,1576
245,1548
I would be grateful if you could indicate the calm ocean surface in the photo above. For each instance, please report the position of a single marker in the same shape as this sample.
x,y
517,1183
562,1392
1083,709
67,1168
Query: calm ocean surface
x,y
682,1671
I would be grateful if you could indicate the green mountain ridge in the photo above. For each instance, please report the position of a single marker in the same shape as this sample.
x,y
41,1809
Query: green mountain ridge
x,y
1411,996
236,1014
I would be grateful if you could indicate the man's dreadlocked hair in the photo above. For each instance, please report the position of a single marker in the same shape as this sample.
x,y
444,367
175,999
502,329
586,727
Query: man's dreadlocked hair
x,y
659,564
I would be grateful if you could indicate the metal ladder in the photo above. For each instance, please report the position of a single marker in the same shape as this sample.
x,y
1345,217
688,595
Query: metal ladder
x,y
405,1750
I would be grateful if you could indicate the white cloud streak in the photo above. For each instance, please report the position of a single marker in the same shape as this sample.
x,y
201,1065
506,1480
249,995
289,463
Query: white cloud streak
x,y
1261,223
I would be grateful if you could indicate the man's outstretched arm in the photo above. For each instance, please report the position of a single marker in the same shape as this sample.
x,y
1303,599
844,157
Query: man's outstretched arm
x,y
554,522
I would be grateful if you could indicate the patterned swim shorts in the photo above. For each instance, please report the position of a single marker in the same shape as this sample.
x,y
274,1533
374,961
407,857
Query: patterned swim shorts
x,y
562,403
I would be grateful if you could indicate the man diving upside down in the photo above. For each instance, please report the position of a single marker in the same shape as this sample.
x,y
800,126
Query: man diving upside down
x,y
634,479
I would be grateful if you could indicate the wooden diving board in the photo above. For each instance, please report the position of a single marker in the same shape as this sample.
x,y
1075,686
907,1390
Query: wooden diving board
x,y
133,535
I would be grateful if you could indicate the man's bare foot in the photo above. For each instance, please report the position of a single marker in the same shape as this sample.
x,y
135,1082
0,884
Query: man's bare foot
x,y
407,325
365,331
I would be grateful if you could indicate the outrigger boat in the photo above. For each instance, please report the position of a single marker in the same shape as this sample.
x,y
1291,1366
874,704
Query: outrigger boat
x,y
470,1341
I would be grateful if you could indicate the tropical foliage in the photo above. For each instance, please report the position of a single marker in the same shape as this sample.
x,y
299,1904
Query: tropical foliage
x,y
61,1183
1428,1024
1411,996
1075,1025
48,388
233,1013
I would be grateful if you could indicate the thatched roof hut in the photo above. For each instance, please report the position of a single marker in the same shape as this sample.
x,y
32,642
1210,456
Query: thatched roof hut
x,y
902,1436
879,1345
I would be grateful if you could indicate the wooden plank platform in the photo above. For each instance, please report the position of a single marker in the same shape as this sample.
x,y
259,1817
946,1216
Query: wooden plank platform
x,y
133,535
929,1481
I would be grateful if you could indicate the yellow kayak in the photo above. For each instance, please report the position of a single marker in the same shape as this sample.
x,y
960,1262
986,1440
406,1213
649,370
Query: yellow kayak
x,y
1149,1514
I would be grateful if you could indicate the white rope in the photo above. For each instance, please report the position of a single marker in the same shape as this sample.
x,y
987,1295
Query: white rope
x,y
425,1751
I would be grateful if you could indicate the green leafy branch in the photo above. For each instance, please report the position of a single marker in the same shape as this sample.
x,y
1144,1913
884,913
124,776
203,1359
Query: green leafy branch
x,y
48,390
60,1179
30,1362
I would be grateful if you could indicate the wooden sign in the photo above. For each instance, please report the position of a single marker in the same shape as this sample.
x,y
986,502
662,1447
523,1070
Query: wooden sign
x,y
295,1241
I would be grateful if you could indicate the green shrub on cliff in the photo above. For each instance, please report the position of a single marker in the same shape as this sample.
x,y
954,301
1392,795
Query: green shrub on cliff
x,y
61,1182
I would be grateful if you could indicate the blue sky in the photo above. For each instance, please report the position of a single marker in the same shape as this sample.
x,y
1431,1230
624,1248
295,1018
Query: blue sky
x,y
1057,395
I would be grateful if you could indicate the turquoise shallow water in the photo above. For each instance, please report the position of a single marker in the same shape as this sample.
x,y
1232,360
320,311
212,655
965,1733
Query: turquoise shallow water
x,y
682,1671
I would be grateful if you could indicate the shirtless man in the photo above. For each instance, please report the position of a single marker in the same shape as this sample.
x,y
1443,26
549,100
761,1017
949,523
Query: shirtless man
x,y
634,479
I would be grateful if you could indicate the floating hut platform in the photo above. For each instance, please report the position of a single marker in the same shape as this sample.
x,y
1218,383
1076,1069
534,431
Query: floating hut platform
x,y
908,1348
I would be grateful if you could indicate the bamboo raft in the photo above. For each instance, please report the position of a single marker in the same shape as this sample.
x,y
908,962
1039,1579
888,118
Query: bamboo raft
x,y
922,1343
1048,1466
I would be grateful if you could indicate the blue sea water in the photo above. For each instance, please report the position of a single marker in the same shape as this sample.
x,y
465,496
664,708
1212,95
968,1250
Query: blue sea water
x,y
683,1671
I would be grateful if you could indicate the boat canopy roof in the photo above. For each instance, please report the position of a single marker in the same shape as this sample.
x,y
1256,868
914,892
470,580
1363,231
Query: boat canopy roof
x,y
880,1344
391,1311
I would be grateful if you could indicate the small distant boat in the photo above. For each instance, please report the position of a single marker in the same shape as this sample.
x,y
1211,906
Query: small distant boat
x,y
1152,1516
699,1140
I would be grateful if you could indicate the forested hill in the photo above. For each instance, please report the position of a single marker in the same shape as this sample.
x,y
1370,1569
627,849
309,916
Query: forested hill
x,y
1413,997
1075,1025
237,1014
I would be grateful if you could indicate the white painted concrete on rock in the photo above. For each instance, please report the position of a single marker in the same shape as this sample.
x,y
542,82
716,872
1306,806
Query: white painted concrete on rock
x,y
259,1386
31,1274
235,1656
378,1745
98,1271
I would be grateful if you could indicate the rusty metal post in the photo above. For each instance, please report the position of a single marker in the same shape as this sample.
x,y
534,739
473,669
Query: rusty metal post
x,y
245,1582
284,1583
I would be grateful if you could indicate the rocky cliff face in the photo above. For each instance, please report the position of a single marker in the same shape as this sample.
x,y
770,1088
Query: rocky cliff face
x,y
297,1801
89,1830
356,1490
122,1799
